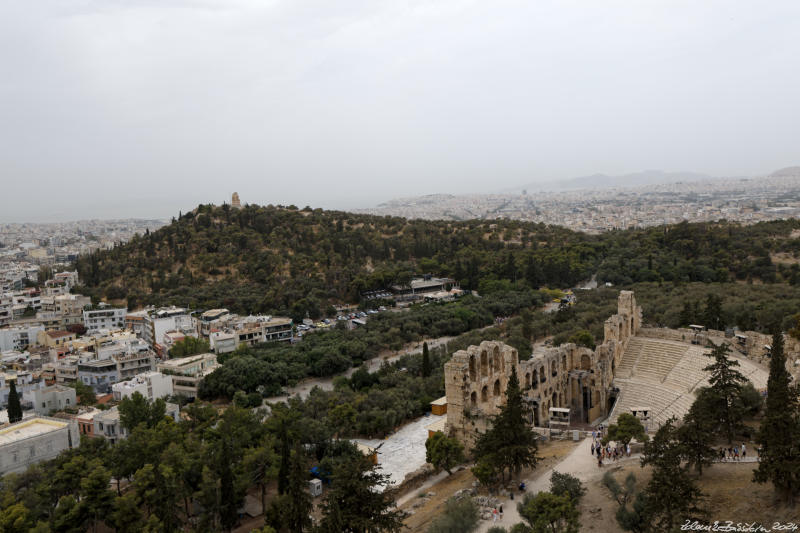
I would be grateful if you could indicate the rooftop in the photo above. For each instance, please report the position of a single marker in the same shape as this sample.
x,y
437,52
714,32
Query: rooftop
x,y
31,427
59,334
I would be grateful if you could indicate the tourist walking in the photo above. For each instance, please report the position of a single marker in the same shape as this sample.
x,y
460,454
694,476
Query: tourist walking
x,y
494,515
501,512
744,452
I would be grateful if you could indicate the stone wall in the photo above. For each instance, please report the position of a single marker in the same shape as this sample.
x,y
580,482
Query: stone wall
x,y
568,376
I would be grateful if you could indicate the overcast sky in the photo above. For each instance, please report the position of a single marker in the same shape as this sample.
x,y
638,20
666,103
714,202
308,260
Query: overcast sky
x,y
115,108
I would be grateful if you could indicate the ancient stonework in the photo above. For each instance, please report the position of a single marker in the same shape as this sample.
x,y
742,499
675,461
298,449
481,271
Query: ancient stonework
x,y
567,376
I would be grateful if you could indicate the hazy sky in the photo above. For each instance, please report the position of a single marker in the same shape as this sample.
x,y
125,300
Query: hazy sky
x,y
115,108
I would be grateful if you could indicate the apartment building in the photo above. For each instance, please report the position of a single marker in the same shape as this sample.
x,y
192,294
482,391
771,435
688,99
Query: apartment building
x,y
187,372
52,398
249,331
24,381
19,337
151,385
104,317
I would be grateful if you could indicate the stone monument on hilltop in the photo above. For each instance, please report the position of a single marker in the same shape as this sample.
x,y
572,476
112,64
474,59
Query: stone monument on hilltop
x,y
235,202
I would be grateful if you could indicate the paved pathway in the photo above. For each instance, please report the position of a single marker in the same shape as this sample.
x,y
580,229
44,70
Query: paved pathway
x,y
579,463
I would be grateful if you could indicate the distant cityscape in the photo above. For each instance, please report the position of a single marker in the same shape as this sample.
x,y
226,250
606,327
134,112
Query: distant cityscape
x,y
597,210
27,246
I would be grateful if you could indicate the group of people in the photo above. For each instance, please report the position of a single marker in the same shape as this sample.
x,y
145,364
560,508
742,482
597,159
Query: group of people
x,y
608,451
732,453
497,511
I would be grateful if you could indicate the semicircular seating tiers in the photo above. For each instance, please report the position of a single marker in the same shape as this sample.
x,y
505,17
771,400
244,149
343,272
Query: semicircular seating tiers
x,y
664,376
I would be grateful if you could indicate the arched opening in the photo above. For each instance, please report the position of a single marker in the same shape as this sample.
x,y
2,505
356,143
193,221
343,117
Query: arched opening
x,y
484,364
473,374
536,416
473,398
527,380
542,375
553,369
535,383
554,401
496,390
484,393
498,360
586,362
564,363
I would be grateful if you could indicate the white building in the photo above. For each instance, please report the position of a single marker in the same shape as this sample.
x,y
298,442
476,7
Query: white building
x,y
34,440
108,425
19,337
151,385
24,382
52,398
187,372
104,317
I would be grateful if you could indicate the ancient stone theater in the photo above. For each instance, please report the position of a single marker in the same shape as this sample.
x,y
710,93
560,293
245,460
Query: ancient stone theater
x,y
651,373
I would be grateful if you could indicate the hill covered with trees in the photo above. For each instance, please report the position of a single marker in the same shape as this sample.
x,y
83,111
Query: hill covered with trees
x,y
300,261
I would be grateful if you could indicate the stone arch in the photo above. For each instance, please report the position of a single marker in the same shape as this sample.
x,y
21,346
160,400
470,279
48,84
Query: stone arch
x,y
586,362
485,393
554,401
527,380
473,398
535,383
498,360
484,364
473,373
564,363
543,374
496,391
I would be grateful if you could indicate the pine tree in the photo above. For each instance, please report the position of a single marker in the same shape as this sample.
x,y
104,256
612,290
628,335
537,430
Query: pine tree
x,y
695,436
14,407
671,496
426,361
779,435
283,471
354,505
725,391
510,443
297,501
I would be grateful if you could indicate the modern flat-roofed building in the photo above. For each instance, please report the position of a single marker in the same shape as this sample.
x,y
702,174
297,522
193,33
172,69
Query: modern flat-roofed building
x,y
250,331
151,385
104,317
19,337
187,372
52,398
213,319
34,440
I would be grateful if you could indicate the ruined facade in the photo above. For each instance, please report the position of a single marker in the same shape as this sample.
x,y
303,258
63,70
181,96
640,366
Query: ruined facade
x,y
566,376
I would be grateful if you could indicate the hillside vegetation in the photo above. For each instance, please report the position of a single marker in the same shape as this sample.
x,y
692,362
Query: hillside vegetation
x,y
300,261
